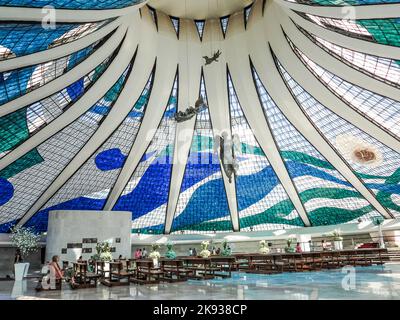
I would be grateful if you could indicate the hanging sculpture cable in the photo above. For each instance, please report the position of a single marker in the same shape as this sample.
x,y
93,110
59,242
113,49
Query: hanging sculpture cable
x,y
214,54
200,105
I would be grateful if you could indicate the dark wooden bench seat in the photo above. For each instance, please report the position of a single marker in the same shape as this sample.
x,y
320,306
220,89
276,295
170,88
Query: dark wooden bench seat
x,y
174,270
83,278
146,273
118,276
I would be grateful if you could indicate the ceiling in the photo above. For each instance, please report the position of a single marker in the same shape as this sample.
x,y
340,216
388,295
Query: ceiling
x,y
88,114
199,9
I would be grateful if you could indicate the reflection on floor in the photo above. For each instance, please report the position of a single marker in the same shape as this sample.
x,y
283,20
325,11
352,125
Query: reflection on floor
x,y
377,282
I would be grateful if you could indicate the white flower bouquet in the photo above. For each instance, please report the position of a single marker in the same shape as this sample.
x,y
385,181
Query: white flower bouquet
x,y
336,234
25,239
106,256
205,253
263,248
154,255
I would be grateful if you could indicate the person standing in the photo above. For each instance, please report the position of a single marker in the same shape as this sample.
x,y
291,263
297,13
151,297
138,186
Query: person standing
x,y
190,252
144,253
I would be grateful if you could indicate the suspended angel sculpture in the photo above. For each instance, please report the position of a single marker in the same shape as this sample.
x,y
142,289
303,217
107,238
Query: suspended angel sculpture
x,y
214,58
190,112
227,152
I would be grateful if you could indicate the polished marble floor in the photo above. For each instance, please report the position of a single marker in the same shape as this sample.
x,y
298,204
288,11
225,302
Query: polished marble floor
x,y
377,282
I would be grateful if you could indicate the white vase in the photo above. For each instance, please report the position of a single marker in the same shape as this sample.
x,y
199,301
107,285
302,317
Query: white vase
x,y
21,270
19,289
338,244
155,263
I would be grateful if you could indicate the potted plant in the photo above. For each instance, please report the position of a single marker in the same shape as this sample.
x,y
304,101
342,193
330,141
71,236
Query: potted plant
x,y
27,242
263,248
289,246
170,254
154,254
205,253
226,250
337,239
103,253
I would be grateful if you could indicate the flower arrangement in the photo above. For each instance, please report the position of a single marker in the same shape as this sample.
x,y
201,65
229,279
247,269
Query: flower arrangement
x,y
106,256
154,254
263,249
103,252
226,250
205,253
289,245
170,254
25,239
337,235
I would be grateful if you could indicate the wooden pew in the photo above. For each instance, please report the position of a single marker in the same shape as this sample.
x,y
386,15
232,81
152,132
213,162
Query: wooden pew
x,y
174,270
146,273
201,267
117,274
83,278
225,264
100,269
263,263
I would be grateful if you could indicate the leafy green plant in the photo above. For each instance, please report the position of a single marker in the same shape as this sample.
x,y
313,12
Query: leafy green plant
x,y
226,250
289,245
103,252
170,254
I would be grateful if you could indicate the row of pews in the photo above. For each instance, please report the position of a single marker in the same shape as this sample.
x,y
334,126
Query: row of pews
x,y
143,271
309,261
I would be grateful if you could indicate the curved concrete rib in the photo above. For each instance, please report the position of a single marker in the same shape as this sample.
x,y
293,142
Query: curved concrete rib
x,y
374,11
113,120
96,92
64,15
59,51
189,87
67,78
166,65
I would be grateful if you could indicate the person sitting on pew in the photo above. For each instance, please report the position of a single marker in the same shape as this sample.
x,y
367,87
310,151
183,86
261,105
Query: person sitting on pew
x,y
54,275
57,270
194,252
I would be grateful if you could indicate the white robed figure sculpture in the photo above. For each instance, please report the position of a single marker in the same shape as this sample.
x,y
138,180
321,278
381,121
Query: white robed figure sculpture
x,y
227,149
